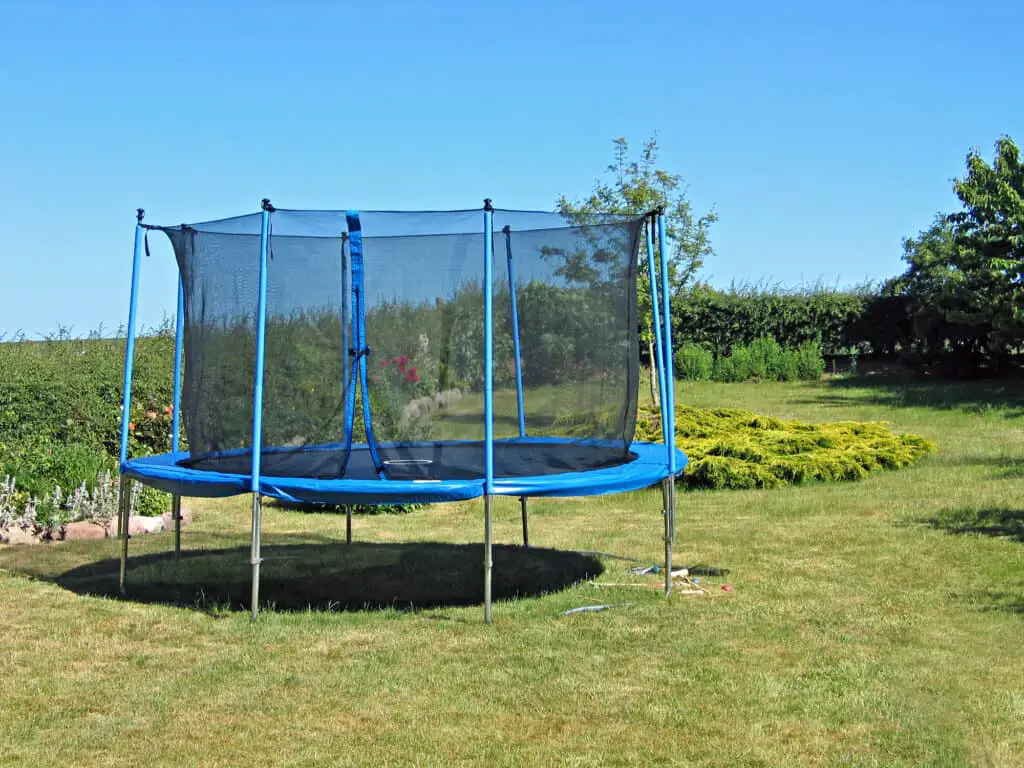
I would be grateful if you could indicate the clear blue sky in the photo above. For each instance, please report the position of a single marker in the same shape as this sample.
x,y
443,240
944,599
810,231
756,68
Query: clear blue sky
x,y
821,132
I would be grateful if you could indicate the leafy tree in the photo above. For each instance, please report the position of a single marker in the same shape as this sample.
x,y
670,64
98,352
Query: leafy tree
x,y
636,186
935,302
964,284
989,235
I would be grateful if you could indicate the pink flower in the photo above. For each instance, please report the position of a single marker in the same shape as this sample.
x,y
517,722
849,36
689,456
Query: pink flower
x,y
384,363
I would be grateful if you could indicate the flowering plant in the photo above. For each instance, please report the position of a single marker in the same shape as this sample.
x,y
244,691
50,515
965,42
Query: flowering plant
x,y
149,430
395,382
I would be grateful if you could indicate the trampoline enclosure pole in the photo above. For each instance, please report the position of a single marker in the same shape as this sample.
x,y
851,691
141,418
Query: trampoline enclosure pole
x,y
658,364
126,393
669,406
345,353
257,407
129,350
488,400
179,340
666,317
517,351
507,230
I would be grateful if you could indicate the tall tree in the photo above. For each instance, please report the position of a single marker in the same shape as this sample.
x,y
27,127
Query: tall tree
x,y
964,284
634,186
935,302
989,234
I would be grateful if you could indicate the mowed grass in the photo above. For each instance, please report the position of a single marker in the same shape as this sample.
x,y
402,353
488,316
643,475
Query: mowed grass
x,y
872,623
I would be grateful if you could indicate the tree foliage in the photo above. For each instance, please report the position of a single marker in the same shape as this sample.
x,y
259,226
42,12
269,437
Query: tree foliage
x,y
989,253
635,186
964,283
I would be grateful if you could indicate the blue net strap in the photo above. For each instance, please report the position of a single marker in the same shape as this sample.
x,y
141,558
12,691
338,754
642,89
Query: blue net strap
x,y
360,352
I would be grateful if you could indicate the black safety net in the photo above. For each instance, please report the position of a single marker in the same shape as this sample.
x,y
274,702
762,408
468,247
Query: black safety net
x,y
397,300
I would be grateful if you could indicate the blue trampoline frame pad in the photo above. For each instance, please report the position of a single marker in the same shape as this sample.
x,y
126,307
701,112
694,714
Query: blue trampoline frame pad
x,y
647,467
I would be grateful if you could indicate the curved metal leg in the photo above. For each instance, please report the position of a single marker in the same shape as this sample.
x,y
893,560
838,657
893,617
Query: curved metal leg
x,y
526,530
668,495
124,496
254,554
488,560
176,516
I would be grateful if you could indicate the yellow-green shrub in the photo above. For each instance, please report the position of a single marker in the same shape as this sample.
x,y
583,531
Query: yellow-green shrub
x,y
730,448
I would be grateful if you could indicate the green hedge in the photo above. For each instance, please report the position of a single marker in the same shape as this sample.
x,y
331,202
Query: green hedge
x,y
60,412
721,320
865,321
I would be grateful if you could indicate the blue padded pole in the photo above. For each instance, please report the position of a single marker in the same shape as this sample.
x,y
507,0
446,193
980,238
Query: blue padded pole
x,y
488,402
179,342
666,316
261,333
488,346
515,331
659,352
129,350
124,497
344,330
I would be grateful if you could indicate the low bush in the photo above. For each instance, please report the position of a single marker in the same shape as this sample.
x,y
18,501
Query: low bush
x,y
736,366
764,359
810,364
357,509
694,363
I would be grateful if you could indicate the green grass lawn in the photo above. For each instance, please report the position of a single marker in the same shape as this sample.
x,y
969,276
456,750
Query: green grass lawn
x,y
873,623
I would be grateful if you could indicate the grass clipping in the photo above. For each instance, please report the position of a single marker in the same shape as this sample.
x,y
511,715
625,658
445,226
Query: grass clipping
x,y
730,448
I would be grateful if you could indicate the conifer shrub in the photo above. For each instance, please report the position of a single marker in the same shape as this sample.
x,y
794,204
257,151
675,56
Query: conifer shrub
x,y
738,449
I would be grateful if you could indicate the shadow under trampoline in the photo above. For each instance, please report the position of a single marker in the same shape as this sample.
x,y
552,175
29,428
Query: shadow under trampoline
x,y
336,576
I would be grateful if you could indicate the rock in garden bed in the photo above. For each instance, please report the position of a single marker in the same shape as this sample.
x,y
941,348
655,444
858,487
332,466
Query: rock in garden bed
x,y
91,529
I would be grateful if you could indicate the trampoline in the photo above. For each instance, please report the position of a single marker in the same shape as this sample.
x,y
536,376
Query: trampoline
x,y
381,357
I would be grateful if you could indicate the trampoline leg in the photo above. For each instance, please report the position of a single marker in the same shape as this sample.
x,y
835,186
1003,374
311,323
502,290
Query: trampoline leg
x,y
124,495
254,554
526,530
348,523
668,495
176,516
488,560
